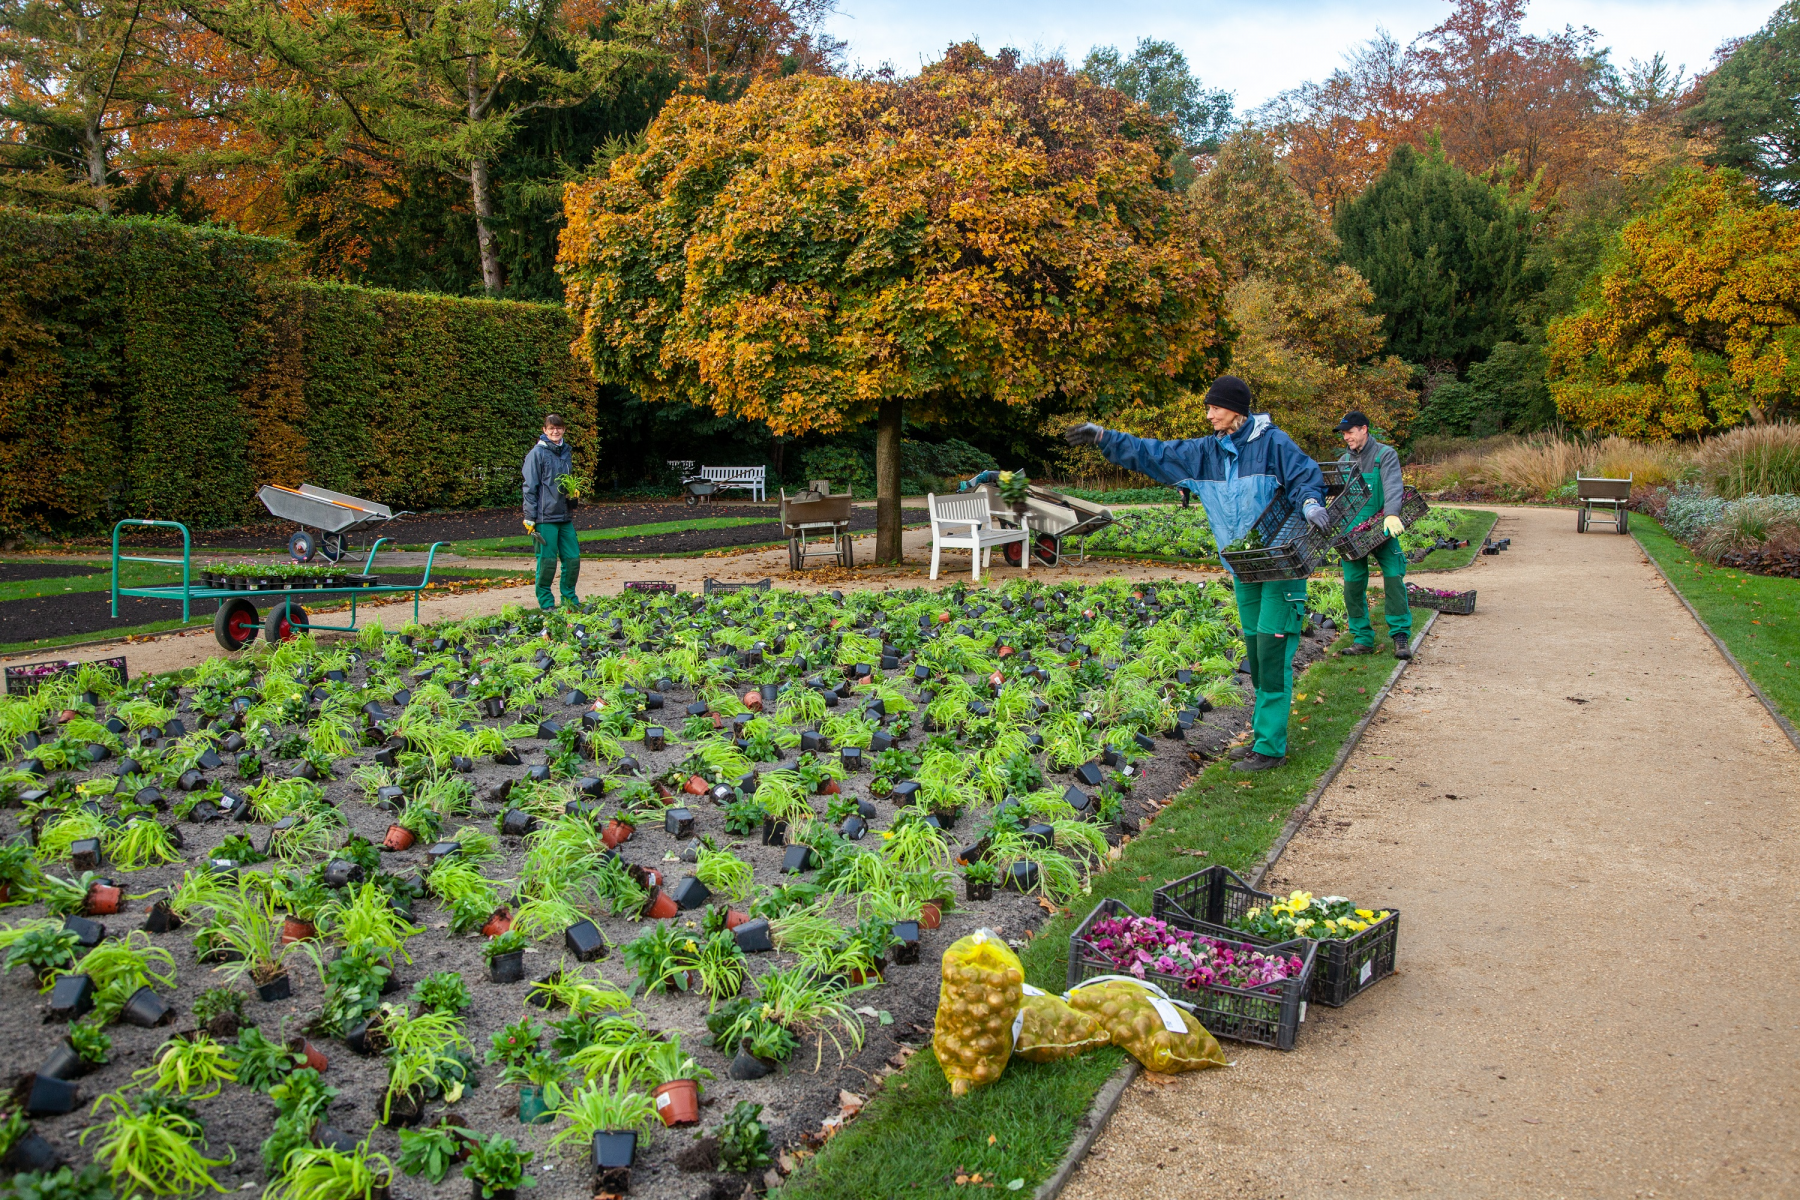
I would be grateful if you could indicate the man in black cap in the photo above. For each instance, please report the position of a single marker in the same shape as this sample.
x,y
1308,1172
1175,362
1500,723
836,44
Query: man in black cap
x,y
1379,466
1234,474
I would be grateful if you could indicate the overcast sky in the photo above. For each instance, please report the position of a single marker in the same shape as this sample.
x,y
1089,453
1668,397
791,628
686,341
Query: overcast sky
x,y
1258,49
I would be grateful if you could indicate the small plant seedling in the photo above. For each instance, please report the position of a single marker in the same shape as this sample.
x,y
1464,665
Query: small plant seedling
x,y
498,1165
745,1144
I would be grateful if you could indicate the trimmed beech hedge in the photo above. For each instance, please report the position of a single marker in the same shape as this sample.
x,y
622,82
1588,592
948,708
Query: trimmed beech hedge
x,y
153,369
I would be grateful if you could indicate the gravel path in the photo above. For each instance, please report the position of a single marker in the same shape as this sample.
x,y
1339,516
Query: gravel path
x,y
1589,825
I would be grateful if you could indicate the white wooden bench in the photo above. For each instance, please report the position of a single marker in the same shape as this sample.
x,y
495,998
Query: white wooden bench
x,y
751,478
964,523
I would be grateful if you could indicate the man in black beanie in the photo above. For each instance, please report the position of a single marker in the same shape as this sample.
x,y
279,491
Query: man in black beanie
x,y
1234,473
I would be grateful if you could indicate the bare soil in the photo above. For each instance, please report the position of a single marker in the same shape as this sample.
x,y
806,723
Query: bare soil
x,y
1589,825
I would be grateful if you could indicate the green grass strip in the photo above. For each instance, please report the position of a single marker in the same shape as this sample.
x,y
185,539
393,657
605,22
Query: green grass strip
x,y
1471,526
524,541
913,1140
1756,616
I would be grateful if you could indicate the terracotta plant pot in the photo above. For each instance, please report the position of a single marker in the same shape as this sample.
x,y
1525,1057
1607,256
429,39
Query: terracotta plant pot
x,y
696,786
753,701
615,833
662,906
930,916
315,1057
829,788
734,918
103,900
398,838
678,1102
295,930
497,924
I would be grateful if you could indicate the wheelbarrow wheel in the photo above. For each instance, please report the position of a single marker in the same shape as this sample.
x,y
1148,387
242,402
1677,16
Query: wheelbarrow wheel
x,y
1581,520
236,624
332,546
793,554
286,621
1624,520
846,552
301,546
691,500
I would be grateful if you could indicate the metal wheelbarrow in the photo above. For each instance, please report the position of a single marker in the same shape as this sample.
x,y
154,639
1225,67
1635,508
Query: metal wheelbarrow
x,y
1053,517
825,518
326,518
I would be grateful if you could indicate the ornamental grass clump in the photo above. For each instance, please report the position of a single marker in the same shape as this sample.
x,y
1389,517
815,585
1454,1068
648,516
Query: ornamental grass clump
x,y
1136,945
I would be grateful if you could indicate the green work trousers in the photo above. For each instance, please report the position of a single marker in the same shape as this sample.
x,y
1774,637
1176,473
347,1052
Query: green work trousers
x,y
1393,590
1273,616
556,540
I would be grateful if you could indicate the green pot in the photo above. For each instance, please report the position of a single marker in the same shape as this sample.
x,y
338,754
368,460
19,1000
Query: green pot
x,y
532,1109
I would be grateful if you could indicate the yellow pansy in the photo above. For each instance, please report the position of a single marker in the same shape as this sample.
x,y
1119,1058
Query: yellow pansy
x,y
1364,913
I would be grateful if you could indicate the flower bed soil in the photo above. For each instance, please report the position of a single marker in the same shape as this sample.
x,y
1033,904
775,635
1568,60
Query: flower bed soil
x,y
21,572
796,1099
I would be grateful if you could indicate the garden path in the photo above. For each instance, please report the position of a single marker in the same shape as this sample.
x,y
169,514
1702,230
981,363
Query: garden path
x,y
1589,825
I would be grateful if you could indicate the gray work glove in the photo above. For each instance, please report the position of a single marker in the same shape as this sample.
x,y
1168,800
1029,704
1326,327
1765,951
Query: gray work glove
x,y
1085,434
1315,512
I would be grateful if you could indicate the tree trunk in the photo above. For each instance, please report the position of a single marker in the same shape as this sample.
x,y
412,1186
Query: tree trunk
x,y
887,482
95,150
484,233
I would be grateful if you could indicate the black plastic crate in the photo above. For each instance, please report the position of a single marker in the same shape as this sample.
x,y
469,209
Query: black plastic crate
x,y
659,586
711,585
1358,545
27,678
1292,548
1266,1016
1461,604
1207,901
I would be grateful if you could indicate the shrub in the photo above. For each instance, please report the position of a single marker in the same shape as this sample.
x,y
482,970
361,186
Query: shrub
x,y
1753,460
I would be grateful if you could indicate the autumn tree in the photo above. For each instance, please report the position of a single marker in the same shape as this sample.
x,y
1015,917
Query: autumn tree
x,y
827,251
1748,106
1694,324
1156,75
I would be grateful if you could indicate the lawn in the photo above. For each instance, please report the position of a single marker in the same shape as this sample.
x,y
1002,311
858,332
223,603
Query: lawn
x,y
913,1140
1754,615
1472,526
523,542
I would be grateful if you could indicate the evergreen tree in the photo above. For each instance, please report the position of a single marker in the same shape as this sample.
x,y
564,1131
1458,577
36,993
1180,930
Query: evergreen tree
x,y
1445,255
1749,107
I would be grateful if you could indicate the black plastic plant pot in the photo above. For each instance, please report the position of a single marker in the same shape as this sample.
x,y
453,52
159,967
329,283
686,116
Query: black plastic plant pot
x,y
655,737
814,742
679,822
390,799
538,773
88,934
72,997
330,1137
85,854
161,918
48,1096
851,757
342,873
387,756
591,786
973,891
63,1063
404,1110
278,988
492,706
907,934
585,941
1039,834
366,1037
33,1152
799,857
1077,799
774,832
722,793
1090,775
690,893
1022,876
547,730
905,792
517,823
146,1009
747,1066
753,936
238,808
854,827
614,1148
507,758
507,968
442,850
629,765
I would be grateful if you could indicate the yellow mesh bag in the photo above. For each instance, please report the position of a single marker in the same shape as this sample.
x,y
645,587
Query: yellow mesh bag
x,y
1140,1017
1048,1028
978,997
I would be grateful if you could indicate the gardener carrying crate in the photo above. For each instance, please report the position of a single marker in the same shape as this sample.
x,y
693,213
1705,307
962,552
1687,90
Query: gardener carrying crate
x,y
1235,473
1379,465
549,518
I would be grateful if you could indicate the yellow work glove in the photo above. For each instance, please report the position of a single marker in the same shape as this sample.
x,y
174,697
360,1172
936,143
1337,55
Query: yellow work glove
x,y
1393,526
531,527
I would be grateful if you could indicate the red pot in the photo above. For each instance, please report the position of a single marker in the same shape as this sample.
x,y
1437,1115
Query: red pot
x,y
398,838
615,833
1003,651
315,1057
497,924
5,893
996,680
697,786
929,916
858,978
295,930
829,788
678,1102
734,918
662,906
753,701
664,790
103,900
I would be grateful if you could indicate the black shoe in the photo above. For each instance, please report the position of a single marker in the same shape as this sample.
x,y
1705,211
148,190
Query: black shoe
x,y
1402,648
1259,762
1357,648
1239,753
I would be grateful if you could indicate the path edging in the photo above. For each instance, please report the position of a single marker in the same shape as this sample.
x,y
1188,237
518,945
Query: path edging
x,y
1781,722
1106,1102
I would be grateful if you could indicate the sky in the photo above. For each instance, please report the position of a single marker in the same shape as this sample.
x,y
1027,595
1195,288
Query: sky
x,y
1256,50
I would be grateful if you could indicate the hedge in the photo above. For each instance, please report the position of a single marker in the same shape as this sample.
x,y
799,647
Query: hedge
x,y
153,369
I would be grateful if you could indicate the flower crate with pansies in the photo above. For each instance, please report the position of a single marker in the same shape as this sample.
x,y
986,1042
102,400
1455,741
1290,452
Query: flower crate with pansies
x,y
1357,946
544,840
1443,599
27,678
1246,990
1372,532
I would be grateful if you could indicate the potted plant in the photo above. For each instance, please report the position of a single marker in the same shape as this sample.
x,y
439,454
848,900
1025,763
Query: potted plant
x,y
677,1095
17,869
496,1169
219,1011
539,1078
302,900
431,1152
619,829
1013,487
979,879
608,1116
505,956
417,822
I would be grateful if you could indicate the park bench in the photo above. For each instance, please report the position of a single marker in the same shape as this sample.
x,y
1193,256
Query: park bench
x,y
965,523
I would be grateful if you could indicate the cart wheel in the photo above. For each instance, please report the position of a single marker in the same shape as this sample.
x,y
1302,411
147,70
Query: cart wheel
x,y
333,545
846,552
236,623
793,554
1581,520
301,546
691,500
1624,520
1047,550
1013,553
286,620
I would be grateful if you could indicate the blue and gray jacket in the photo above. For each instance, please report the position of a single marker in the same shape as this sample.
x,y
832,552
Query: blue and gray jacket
x,y
547,463
1233,475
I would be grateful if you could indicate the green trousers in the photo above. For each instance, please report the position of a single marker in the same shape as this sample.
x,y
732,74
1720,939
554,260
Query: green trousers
x,y
1393,589
1273,615
557,541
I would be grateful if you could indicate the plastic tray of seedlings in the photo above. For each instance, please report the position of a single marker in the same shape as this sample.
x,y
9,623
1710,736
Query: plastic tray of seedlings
x,y
1283,544
1442,599
712,585
27,678
1372,532
1208,901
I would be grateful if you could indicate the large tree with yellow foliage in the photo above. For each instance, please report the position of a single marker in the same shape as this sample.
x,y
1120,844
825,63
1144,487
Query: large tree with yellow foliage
x,y
1694,324
825,251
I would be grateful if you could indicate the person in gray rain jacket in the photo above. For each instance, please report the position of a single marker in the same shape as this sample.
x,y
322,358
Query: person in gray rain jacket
x,y
549,516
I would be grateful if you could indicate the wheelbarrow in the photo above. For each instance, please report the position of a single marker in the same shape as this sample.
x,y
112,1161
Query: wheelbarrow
x,y
700,490
1606,501
823,518
1053,518
326,518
